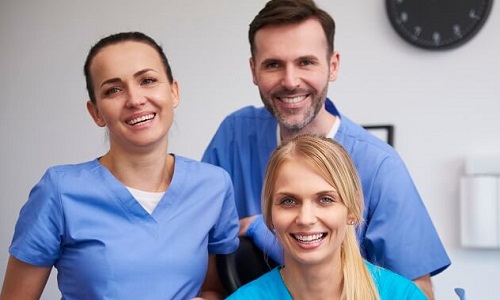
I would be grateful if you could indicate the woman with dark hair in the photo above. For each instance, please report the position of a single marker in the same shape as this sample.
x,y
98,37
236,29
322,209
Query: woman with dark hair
x,y
137,222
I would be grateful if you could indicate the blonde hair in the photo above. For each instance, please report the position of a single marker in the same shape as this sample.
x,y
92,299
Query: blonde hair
x,y
334,165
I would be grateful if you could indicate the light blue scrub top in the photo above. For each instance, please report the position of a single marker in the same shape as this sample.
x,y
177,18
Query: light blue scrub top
x,y
391,286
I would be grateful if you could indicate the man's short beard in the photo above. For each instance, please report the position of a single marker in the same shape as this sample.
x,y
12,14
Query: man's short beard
x,y
319,101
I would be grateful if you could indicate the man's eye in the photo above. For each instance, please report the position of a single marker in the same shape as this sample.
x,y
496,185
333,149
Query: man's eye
x,y
272,65
306,63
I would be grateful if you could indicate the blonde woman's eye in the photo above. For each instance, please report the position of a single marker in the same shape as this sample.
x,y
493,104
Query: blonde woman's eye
x,y
287,201
326,200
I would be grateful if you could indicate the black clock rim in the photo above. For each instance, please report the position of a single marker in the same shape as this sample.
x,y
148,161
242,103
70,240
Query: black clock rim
x,y
408,38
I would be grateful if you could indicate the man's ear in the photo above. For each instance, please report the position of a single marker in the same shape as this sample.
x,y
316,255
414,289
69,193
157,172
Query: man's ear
x,y
252,69
334,66
94,113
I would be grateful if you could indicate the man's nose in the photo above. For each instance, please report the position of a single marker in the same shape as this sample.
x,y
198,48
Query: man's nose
x,y
290,78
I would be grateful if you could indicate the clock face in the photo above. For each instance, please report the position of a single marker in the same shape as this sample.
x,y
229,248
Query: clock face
x,y
437,24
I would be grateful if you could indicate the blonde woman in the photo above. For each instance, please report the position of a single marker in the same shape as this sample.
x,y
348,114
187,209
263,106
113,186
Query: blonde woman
x,y
312,200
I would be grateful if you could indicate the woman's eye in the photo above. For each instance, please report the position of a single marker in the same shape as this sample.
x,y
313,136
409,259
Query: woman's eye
x,y
148,81
287,201
326,200
111,91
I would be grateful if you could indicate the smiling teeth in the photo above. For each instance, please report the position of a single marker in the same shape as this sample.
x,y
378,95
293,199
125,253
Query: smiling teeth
x,y
308,238
140,119
293,100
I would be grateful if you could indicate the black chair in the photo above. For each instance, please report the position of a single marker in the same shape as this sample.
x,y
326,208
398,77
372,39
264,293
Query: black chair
x,y
247,263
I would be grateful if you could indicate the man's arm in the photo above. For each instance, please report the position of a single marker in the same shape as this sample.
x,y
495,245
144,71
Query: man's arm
x,y
425,284
245,224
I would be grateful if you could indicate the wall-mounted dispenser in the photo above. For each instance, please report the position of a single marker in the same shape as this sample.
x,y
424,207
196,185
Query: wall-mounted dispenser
x,y
480,203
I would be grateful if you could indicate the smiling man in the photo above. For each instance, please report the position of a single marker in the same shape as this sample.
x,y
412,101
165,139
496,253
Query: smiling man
x,y
292,63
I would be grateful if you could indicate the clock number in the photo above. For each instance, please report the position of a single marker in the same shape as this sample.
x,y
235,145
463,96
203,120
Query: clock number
x,y
473,14
417,30
436,37
457,30
403,17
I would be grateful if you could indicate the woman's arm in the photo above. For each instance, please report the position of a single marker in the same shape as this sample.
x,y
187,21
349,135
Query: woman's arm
x,y
23,281
212,288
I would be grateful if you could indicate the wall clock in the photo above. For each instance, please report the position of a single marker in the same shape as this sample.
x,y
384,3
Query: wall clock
x,y
437,24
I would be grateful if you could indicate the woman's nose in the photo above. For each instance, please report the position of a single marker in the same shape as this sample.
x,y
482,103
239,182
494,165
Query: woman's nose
x,y
135,98
306,215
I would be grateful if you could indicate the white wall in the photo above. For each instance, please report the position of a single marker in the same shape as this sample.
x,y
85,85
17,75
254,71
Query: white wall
x,y
444,104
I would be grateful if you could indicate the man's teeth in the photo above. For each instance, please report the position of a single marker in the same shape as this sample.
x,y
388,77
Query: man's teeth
x,y
140,119
293,100
308,238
